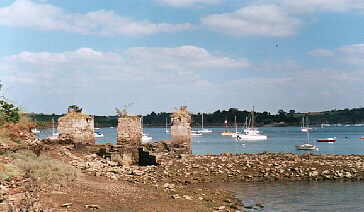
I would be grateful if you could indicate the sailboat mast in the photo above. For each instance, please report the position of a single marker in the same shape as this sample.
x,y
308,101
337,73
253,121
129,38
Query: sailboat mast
x,y
53,126
236,126
253,118
202,121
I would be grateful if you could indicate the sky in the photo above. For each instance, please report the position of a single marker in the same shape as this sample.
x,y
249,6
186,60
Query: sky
x,y
160,54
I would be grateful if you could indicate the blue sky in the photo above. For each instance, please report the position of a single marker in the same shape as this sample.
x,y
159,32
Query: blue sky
x,y
207,54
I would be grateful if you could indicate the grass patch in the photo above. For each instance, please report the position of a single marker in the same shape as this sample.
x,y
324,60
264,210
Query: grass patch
x,y
8,171
43,168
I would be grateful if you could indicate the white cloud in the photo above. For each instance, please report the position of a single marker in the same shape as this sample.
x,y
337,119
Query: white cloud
x,y
322,5
160,78
349,54
42,16
321,53
169,76
262,20
352,54
186,3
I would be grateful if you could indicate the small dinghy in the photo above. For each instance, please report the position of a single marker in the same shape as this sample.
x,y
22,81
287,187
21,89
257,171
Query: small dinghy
x,y
326,139
307,145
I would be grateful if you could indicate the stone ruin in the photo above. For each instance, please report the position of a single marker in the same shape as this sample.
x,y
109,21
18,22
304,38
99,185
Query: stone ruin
x,y
181,130
77,126
129,131
129,135
180,142
128,150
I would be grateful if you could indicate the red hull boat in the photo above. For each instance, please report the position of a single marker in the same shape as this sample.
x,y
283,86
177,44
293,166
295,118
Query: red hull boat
x,y
326,140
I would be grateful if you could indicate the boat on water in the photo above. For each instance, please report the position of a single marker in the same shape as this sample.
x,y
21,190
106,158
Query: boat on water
x,y
307,145
226,132
35,131
203,130
167,130
195,133
98,135
326,139
362,138
235,135
146,138
54,135
251,133
305,128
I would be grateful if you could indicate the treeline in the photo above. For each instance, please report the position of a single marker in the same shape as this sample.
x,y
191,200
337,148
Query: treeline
x,y
217,118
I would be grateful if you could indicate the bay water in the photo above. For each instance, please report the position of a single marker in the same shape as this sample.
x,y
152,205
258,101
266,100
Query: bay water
x,y
280,197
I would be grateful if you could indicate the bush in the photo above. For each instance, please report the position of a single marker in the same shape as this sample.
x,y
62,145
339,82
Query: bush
x,y
8,113
43,168
8,171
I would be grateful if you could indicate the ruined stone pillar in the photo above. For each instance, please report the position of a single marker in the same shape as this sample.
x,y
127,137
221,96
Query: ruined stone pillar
x,y
77,126
181,129
129,135
129,131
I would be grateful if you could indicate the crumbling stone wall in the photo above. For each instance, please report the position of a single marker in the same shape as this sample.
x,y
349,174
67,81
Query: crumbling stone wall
x,y
77,126
129,135
129,131
181,129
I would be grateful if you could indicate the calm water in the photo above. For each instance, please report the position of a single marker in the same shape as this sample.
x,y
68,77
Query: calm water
x,y
280,139
292,197
307,197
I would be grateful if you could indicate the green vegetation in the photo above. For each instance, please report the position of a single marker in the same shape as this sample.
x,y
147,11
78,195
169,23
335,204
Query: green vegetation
x,y
217,118
75,108
8,111
45,169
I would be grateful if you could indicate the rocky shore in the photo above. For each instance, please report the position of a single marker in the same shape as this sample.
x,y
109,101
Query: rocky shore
x,y
187,181
265,167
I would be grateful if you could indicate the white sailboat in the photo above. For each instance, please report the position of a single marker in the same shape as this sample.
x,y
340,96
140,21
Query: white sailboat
x,y
195,133
305,128
251,133
236,130
35,131
203,130
98,134
145,138
167,131
307,145
226,132
54,135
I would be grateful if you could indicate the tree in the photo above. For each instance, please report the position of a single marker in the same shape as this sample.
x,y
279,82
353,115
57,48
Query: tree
x,y
8,112
75,108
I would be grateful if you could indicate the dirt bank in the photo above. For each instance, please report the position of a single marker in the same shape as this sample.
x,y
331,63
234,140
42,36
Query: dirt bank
x,y
183,183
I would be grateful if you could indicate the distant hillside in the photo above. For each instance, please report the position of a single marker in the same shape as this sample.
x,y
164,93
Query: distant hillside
x,y
217,118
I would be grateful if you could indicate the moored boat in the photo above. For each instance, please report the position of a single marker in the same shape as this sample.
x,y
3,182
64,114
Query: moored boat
x,y
203,130
98,135
305,128
35,131
326,139
226,132
146,138
251,133
306,147
195,133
